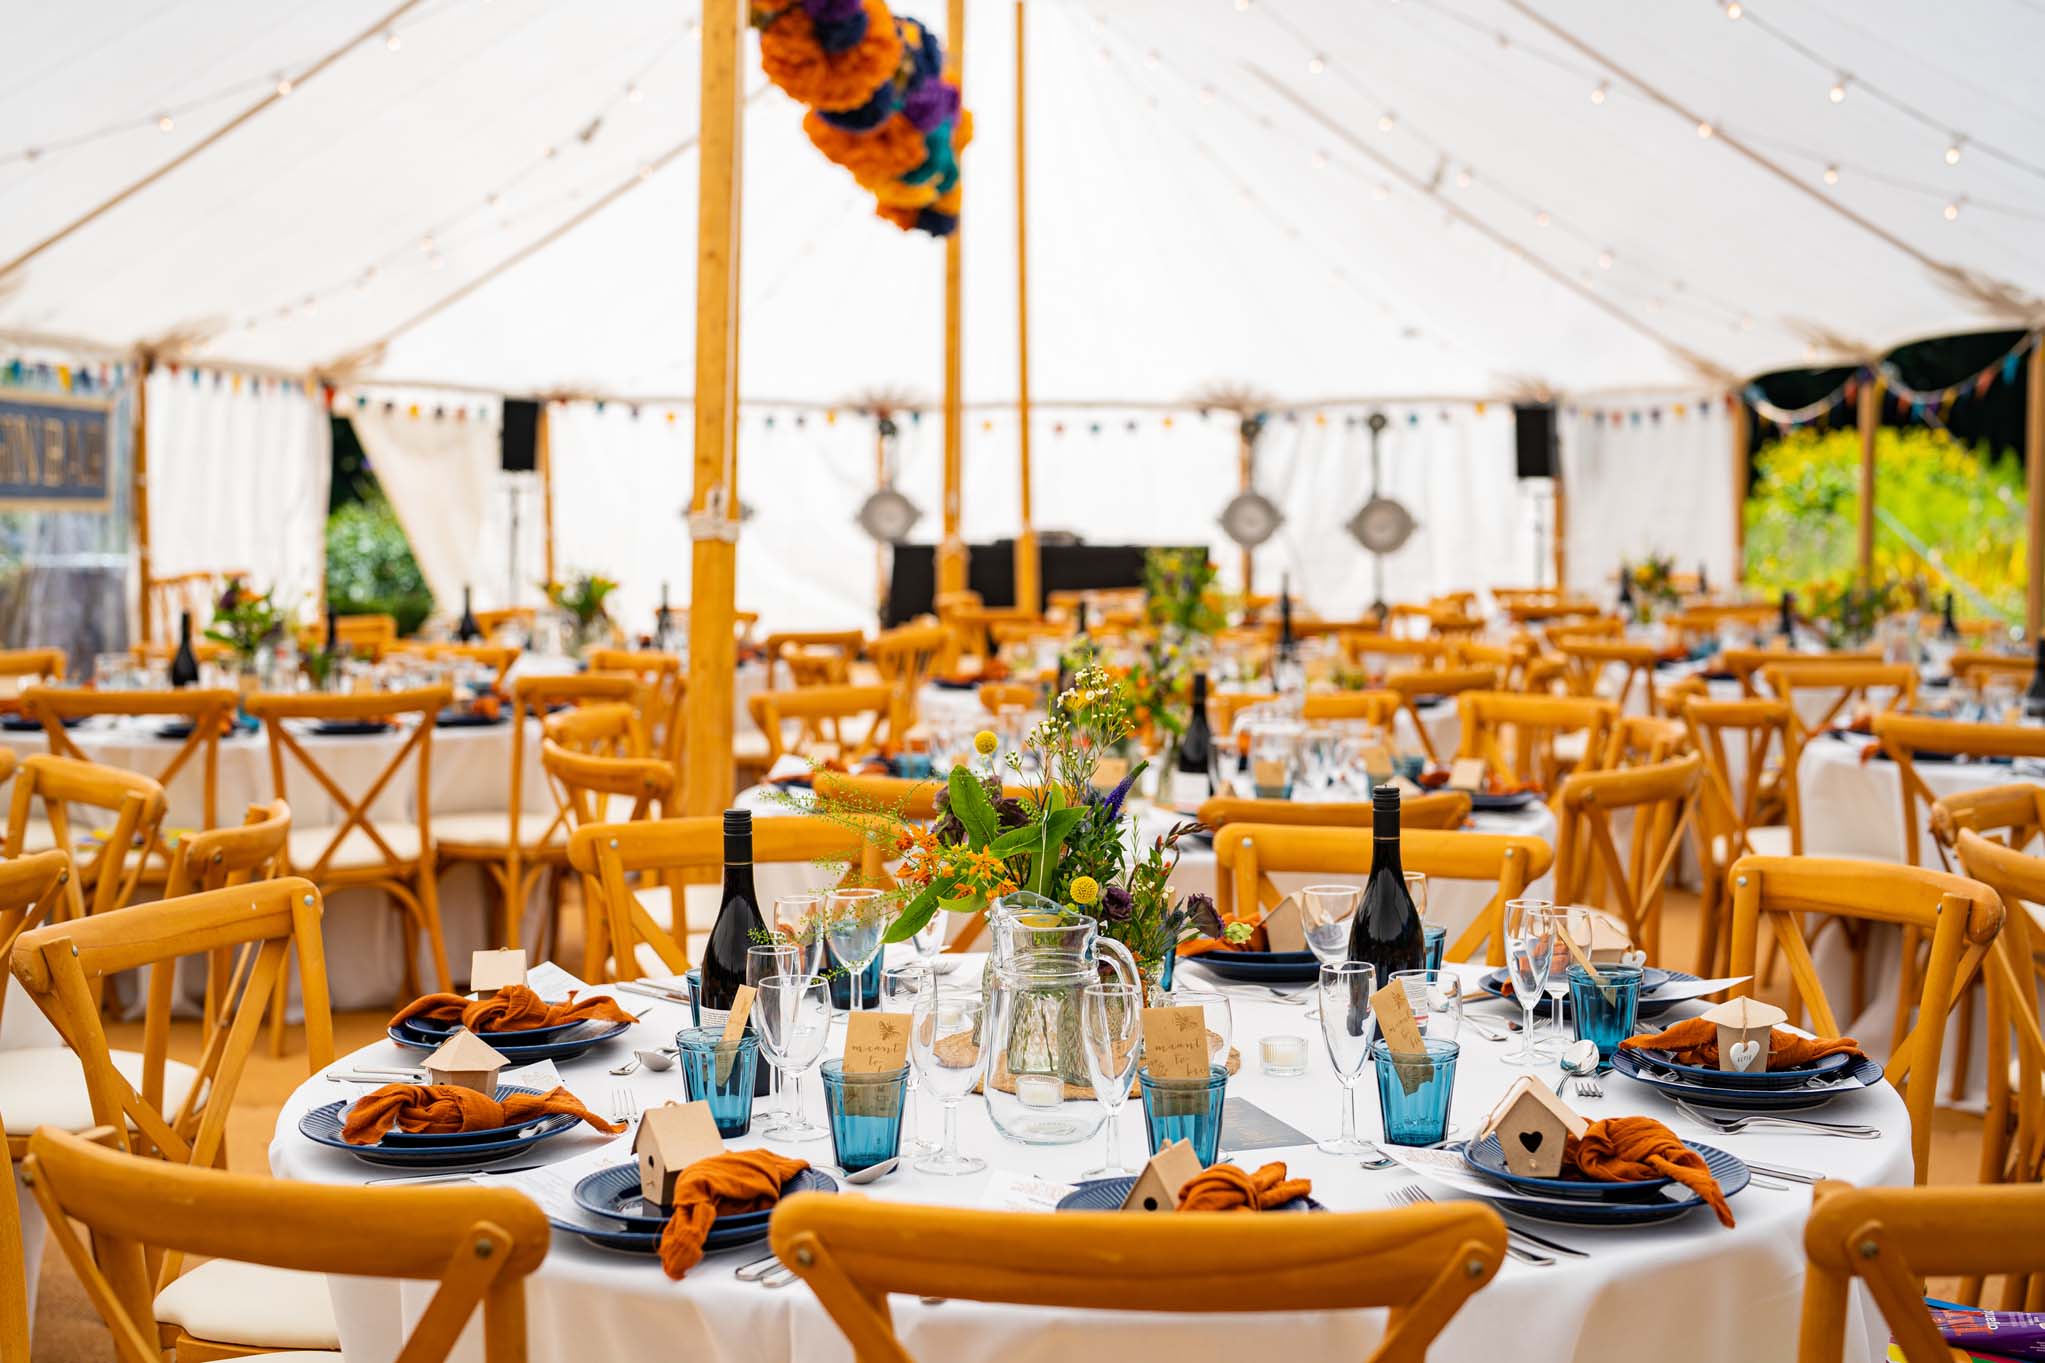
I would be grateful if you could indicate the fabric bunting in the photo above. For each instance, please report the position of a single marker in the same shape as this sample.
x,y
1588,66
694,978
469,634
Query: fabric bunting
x,y
879,104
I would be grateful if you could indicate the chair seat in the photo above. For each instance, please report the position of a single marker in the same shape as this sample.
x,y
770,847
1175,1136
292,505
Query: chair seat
x,y
1767,840
253,1305
357,851
490,831
45,1086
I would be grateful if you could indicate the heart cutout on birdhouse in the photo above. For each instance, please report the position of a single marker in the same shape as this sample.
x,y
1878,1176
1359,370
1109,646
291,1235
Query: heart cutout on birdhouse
x,y
1638,958
1744,1054
1531,1140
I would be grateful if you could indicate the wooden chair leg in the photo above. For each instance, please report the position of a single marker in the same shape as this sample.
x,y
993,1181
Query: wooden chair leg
x,y
408,936
280,999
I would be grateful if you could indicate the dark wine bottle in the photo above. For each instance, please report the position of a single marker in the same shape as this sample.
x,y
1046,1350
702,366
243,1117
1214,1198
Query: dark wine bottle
x,y
739,925
1786,617
1286,646
184,664
1082,618
1949,628
1386,933
1625,584
468,630
1191,782
2034,697
1703,580
333,633
663,622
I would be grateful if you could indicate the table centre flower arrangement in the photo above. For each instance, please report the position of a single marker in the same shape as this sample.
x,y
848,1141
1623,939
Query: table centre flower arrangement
x,y
250,624
581,602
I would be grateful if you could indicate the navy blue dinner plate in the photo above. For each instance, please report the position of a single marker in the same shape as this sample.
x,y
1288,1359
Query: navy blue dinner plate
x,y
323,1125
1482,803
614,1192
530,1036
1265,967
641,1235
351,728
466,719
1710,1076
1860,1075
1730,1171
566,1046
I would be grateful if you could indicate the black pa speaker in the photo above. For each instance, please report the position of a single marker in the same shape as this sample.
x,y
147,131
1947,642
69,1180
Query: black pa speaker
x,y
519,437
1534,439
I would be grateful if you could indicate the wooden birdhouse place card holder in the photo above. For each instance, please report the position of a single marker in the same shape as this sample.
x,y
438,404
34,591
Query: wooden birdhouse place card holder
x,y
670,1138
490,971
1603,941
1745,1033
466,1061
1532,1125
1284,928
1157,1188
1466,773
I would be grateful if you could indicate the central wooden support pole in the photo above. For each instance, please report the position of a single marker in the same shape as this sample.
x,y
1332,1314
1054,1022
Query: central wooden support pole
x,y
951,551
1742,456
1028,567
1246,471
707,767
1870,420
544,458
138,493
2034,488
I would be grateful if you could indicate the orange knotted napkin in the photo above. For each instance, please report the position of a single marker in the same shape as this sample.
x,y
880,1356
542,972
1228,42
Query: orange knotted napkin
x,y
1629,1149
514,1008
439,1109
1200,946
1225,1188
1694,1041
740,1181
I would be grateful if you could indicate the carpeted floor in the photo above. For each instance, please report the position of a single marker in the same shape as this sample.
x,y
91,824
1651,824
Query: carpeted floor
x,y
67,1330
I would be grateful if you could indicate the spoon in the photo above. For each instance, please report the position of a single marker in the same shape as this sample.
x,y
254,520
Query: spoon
x,y
872,1173
1579,1057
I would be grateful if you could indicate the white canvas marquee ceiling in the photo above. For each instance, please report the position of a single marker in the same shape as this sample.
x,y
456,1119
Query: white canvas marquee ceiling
x,y
1313,198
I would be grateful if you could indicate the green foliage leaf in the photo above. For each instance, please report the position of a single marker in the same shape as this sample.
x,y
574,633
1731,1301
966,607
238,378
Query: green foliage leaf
x,y
913,916
370,568
968,800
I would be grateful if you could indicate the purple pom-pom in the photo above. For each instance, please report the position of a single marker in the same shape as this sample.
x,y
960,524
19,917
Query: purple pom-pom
x,y
929,103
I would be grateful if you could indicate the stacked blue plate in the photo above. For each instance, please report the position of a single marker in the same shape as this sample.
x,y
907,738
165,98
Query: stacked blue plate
x,y
1778,1091
1482,803
526,1036
1263,967
1586,1202
619,1218
564,1042
1108,1194
407,1149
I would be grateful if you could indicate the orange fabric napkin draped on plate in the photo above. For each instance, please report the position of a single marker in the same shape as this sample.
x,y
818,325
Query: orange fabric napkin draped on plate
x,y
1694,1041
438,1109
740,1181
1629,1149
1200,946
1225,1188
514,1008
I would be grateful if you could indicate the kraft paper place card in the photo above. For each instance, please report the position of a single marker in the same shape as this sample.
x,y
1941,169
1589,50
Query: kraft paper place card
x,y
1377,760
1393,1012
741,1007
877,1043
1157,1188
493,970
1466,773
1175,1043
1284,928
1250,1127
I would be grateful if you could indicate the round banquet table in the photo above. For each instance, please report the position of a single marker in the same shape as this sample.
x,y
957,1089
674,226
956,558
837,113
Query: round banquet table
x,y
1684,1290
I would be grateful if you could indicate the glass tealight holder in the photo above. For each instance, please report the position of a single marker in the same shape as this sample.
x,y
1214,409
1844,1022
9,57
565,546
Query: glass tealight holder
x,y
722,1074
865,1113
1283,1057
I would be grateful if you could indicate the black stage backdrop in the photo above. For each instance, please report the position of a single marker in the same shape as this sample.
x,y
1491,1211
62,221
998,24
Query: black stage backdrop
x,y
990,571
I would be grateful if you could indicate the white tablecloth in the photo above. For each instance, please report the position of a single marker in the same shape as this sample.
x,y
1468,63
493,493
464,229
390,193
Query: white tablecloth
x,y
1687,1290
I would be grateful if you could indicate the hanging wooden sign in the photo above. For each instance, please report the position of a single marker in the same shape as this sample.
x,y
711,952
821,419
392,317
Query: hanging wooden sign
x,y
55,453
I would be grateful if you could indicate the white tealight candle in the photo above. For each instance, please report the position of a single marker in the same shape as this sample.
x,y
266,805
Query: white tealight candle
x,y
1043,1090
1284,1056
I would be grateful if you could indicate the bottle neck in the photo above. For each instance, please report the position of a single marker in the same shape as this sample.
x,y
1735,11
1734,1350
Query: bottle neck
x,y
738,852
185,627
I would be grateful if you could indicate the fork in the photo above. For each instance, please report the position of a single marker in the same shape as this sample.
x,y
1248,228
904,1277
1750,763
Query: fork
x,y
1732,1126
1413,1195
1589,1088
624,1104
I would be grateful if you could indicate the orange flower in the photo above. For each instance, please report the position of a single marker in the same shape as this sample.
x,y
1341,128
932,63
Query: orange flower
x,y
832,81
887,153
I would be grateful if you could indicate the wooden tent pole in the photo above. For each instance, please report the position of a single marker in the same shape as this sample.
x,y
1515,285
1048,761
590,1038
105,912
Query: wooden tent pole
x,y
139,496
1742,456
1870,419
707,774
881,552
1560,548
951,552
543,441
1028,566
2034,488
1246,458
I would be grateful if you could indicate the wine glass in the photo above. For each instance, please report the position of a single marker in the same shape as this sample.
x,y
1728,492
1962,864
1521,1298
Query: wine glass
x,y
854,920
764,963
794,1013
944,1037
929,940
1530,929
1345,988
1436,998
1218,1015
1326,913
1111,1026
1576,922
900,987
800,919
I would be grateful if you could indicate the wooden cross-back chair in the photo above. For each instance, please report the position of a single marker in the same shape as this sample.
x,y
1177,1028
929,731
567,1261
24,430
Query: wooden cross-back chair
x,y
220,857
179,1114
1959,917
34,890
833,652
907,656
1904,737
595,788
1889,1239
1589,869
1509,660
208,713
1749,805
1250,854
635,876
1413,687
1377,708
366,636
1224,706
1518,735
1378,654
1854,681
24,667
498,658
1588,662
1641,740
1747,664
196,592
1698,623
1440,810
995,696
1556,633
365,850
522,617
829,714
476,1245
1975,670
1422,1262
663,684
131,803
514,848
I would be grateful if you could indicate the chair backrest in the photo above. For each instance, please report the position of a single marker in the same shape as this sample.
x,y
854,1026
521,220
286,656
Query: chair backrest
x,y
421,704
537,696
1508,659
209,712
33,891
1746,664
2019,1155
673,852
997,694
586,784
1589,868
492,621
1891,1239
477,1244
885,709
1735,799
1411,687
219,857
1960,917
1252,853
498,658
908,654
2014,814
368,635
133,804
1224,706
605,729
30,664
663,682
1590,660
1378,653
1642,739
1977,669
1368,707
1853,680
899,795
1532,724
842,644
1903,737
1441,810
1423,1262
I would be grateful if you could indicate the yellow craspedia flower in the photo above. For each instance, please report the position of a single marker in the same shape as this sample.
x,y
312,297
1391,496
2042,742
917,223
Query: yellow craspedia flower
x,y
1085,890
985,743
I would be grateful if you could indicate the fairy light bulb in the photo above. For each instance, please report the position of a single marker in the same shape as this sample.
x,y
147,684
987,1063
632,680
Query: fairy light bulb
x,y
1953,152
1734,9
1953,211
392,42
1463,178
1541,218
1837,94
164,123
284,87
1316,64
426,243
634,95
1831,175
1605,260
1387,121
1705,130
1598,92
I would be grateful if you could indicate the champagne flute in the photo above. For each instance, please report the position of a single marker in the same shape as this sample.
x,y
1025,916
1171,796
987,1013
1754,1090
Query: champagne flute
x,y
800,919
794,1013
764,963
945,1039
900,987
1575,921
1345,988
1111,1025
854,920
929,940
1325,913
1530,930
